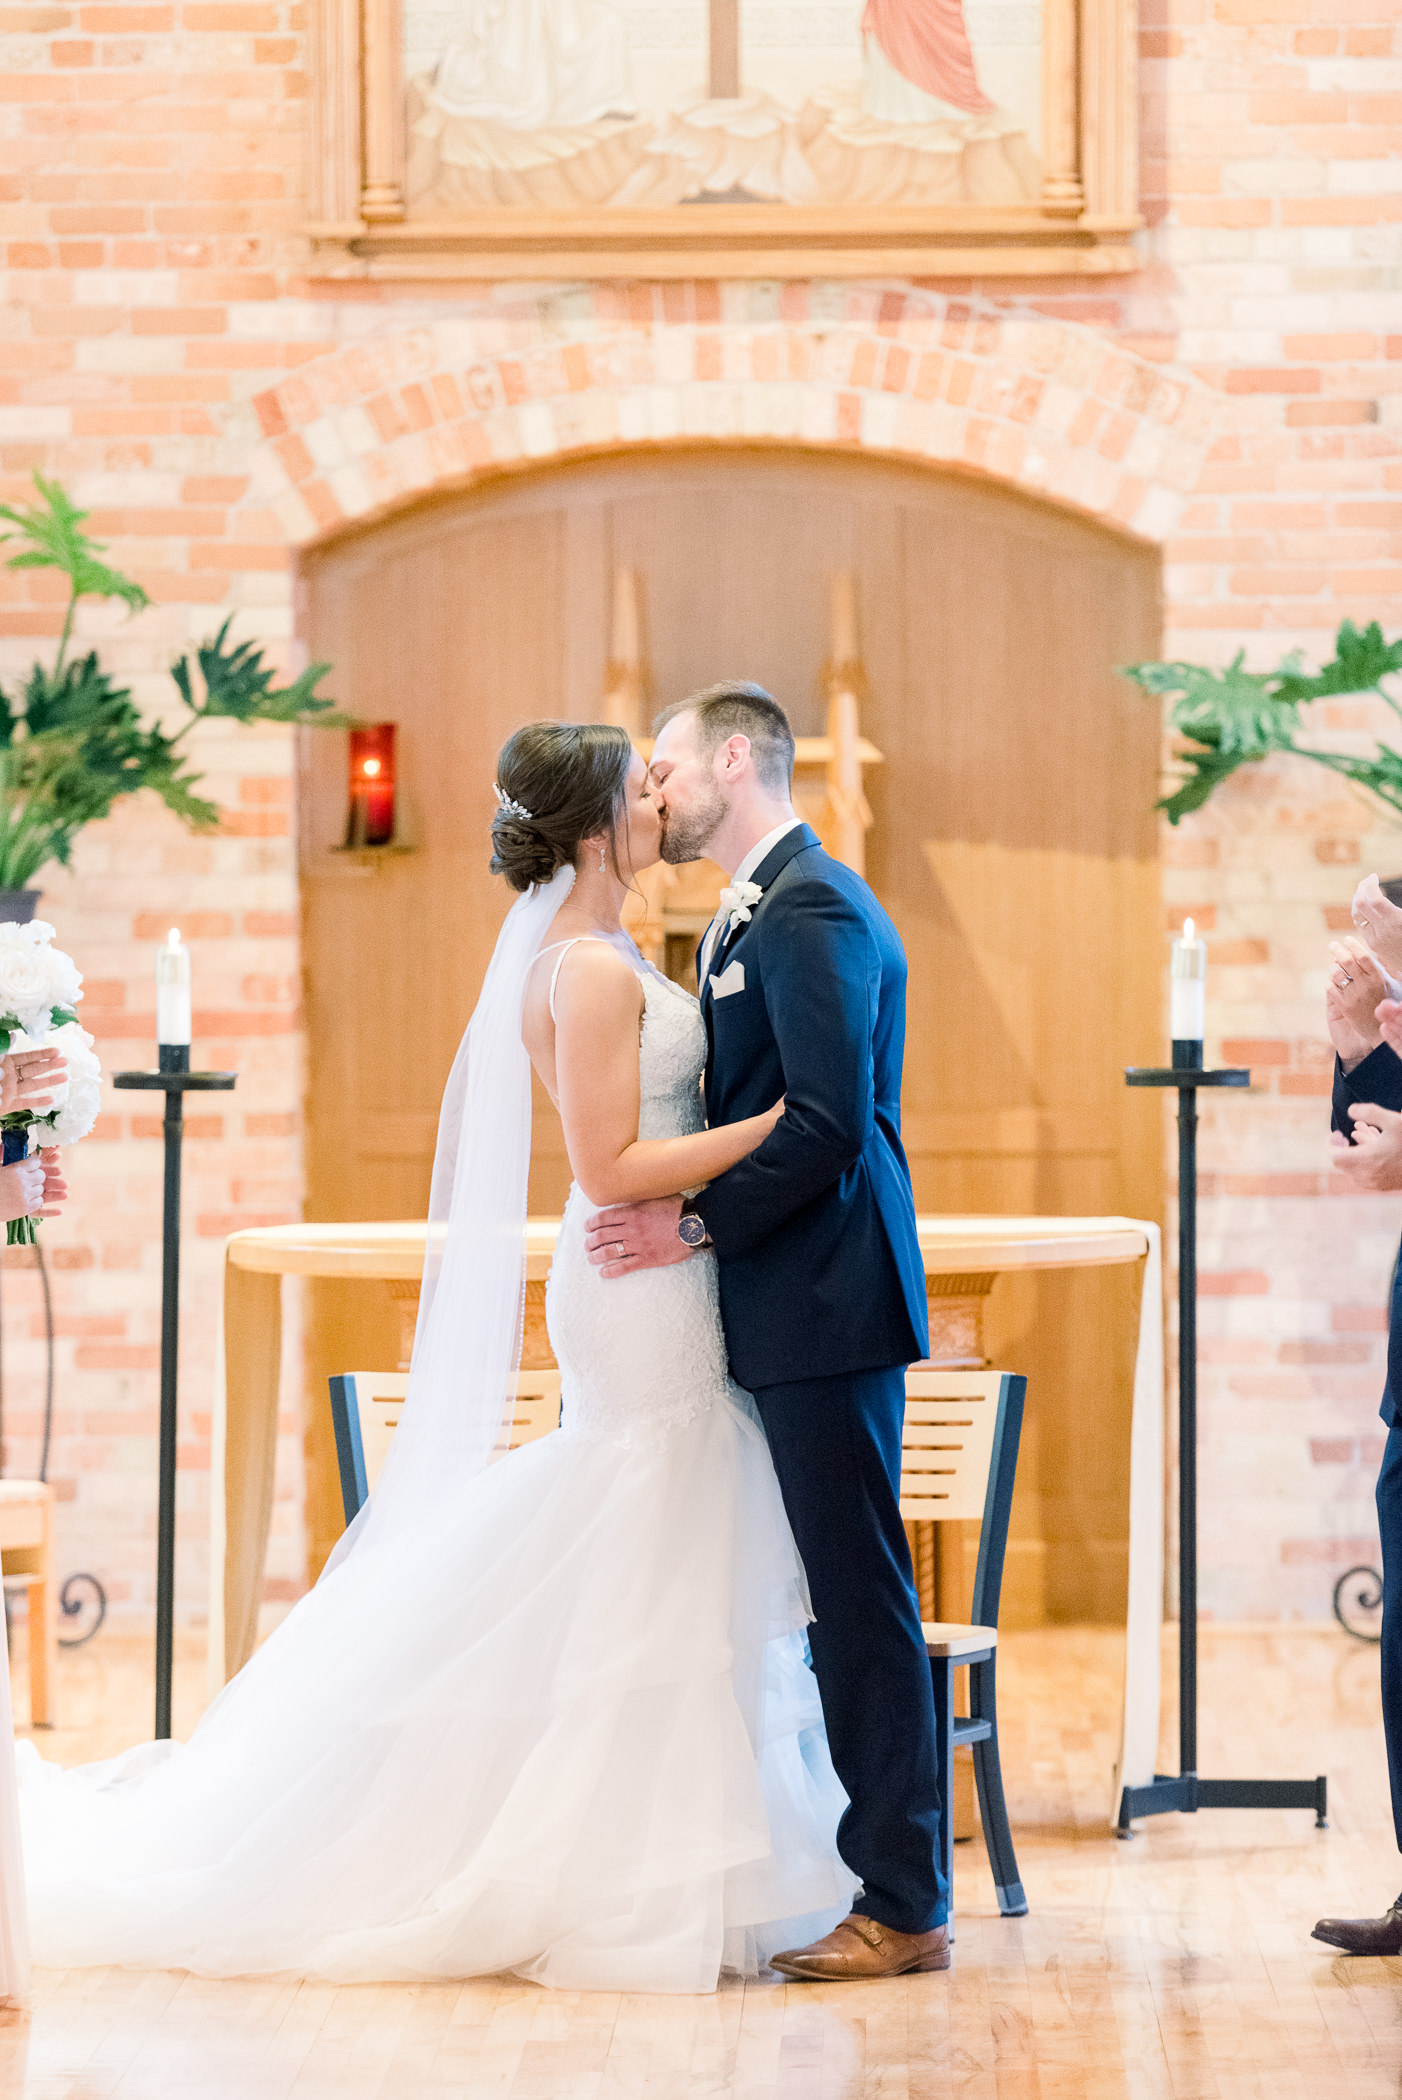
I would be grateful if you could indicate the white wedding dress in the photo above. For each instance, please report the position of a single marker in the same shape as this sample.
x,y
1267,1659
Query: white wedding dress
x,y
567,1729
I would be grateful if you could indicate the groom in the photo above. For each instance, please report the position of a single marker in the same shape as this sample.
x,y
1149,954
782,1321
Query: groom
x,y
822,1285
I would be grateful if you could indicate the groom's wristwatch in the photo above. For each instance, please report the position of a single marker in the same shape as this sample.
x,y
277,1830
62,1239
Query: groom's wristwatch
x,y
691,1229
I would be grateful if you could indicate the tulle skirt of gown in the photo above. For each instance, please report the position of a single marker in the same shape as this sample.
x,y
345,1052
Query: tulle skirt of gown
x,y
571,1734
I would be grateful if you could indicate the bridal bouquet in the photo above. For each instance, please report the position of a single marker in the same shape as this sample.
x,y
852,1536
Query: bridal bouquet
x,y
40,988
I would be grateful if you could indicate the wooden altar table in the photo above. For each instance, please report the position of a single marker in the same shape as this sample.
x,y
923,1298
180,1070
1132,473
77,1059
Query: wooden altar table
x,y
964,1256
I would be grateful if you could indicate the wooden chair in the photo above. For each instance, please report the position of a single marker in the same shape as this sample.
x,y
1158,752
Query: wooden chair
x,y
958,1461
26,1558
365,1410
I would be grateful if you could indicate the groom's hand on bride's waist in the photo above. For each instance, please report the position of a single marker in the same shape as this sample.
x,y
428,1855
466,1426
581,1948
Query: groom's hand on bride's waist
x,y
636,1236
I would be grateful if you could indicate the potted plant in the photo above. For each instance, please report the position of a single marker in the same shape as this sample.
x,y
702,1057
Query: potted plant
x,y
71,738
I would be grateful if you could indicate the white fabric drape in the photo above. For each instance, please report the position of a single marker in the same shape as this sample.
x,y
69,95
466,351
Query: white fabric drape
x,y
14,1918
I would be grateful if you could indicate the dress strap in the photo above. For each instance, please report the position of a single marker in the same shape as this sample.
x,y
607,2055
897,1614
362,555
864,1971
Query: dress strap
x,y
564,948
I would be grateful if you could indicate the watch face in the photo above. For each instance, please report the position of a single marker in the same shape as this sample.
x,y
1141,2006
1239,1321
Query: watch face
x,y
691,1230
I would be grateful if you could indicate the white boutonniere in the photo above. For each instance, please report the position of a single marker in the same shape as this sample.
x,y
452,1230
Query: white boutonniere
x,y
738,898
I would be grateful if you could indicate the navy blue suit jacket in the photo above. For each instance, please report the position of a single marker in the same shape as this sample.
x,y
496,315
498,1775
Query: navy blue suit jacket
x,y
820,1264
1377,1078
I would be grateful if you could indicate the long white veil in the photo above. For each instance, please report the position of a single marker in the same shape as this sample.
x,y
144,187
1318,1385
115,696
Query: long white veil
x,y
467,1343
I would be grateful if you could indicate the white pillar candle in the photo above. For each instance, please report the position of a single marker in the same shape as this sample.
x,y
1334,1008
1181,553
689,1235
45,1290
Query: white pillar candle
x,y
1187,987
173,991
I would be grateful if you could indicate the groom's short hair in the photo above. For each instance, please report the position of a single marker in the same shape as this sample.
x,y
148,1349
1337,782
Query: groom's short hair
x,y
737,707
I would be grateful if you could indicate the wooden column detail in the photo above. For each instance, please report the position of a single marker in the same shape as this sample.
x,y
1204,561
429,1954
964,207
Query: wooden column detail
x,y
536,1352
1109,55
956,1321
849,812
1061,125
725,50
406,1299
382,187
623,681
333,147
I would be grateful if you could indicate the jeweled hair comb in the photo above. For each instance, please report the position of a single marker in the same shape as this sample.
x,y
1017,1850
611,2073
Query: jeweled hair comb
x,y
510,808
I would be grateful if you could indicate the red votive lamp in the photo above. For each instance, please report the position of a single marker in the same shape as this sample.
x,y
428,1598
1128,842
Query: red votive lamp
x,y
371,821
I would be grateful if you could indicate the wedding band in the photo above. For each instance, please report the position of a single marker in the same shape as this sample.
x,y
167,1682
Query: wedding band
x,y
618,1250
1345,978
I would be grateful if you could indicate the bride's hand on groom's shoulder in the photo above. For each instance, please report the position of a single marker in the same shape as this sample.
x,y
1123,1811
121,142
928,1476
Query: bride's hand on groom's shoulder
x,y
635,1236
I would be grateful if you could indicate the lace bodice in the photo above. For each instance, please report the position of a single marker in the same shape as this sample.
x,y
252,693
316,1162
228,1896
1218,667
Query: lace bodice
x,y
644,1352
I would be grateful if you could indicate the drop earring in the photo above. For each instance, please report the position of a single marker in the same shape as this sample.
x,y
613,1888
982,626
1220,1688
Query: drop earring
x,y
603,864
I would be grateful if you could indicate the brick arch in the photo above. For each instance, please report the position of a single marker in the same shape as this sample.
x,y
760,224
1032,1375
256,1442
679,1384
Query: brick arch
x,y
1040,404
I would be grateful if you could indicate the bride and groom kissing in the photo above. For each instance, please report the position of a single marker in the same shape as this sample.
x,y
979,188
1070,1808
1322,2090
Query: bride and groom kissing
x,y
648,1698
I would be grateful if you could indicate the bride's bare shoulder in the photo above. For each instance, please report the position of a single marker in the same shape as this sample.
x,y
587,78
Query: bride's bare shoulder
x,y
592,973
581,975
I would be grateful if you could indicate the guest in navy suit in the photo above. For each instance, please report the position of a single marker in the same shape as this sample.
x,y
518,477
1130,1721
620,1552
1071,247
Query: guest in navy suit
x,y
822,1284
1366,1030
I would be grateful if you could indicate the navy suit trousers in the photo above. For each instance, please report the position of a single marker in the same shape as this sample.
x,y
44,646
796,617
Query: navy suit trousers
x,y
837,1452
1390,1527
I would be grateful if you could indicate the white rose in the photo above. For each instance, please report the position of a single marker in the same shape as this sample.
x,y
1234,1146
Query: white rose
x,y
26,987
77,1116
35,978
77,1101
33,933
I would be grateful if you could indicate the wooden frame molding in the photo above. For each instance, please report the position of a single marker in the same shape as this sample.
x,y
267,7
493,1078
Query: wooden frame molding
x,y
1082,225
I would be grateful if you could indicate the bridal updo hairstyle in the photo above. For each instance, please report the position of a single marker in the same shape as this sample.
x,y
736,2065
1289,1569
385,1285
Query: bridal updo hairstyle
x,y
571,776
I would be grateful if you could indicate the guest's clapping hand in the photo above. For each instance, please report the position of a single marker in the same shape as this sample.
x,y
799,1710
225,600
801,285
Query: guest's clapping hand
x,y
28,1078
1356,986
1374,1160
1390,1024
1380,923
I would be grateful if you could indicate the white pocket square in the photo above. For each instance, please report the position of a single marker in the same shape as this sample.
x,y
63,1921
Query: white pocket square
x,y
731,979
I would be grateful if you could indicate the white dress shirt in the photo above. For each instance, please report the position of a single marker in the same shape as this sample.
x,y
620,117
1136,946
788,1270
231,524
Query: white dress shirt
x,y
759,852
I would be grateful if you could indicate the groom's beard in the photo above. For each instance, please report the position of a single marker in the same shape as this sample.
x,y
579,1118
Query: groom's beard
x,y
687,833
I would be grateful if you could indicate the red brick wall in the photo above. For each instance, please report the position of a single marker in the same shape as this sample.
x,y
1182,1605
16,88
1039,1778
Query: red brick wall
x,y
151,194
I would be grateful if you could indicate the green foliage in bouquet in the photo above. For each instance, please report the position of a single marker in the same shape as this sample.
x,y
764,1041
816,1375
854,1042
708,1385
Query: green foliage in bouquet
x,y
1236,717
71,738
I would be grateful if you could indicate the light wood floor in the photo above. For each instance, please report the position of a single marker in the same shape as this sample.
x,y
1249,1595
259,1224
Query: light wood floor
x,y
1178,1967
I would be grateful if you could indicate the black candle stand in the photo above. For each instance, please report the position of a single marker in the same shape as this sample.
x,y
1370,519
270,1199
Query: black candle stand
x,y
174,1079
1185,1791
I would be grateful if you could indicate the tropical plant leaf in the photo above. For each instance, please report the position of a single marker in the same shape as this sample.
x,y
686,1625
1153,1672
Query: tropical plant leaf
x,y
238,683
1206,770
1380,775
80,697
1229,711
56,540
1362,659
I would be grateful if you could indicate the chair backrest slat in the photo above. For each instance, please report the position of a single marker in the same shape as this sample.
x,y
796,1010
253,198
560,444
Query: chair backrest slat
x,y
959,1460
366,1407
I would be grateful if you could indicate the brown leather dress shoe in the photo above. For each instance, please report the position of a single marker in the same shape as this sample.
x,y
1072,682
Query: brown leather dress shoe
x,y
860,1950
1363,1935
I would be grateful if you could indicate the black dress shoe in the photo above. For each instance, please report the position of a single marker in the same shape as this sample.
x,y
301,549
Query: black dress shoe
x,y
1363,1935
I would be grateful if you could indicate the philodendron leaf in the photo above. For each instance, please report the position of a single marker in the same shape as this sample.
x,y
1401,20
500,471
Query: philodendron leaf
x,y
1362,659
56,540
1234,711
1380,775
238,683
1206,770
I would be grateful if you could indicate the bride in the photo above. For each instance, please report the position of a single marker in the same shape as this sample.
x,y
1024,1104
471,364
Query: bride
x,y
552,1714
